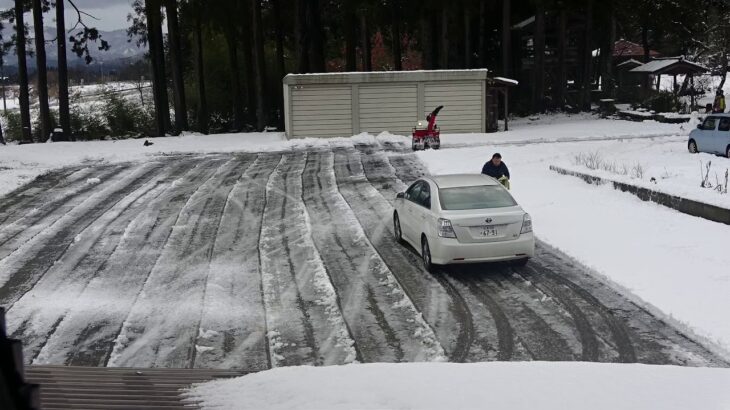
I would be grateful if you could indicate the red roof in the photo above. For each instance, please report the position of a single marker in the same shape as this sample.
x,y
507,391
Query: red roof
x,y
625,48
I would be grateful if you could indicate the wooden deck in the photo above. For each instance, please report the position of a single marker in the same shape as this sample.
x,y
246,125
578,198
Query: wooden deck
x,y
79,388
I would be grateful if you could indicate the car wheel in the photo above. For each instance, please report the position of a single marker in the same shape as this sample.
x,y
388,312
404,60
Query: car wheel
x,y
426,255
727,151
397,232
520,262
692,147
413,146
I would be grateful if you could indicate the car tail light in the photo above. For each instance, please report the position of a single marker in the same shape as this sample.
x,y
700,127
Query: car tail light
x,y
526,224
445,229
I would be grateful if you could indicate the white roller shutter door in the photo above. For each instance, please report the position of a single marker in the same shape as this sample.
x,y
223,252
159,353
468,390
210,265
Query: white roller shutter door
x,y
321,111
463,105
392,108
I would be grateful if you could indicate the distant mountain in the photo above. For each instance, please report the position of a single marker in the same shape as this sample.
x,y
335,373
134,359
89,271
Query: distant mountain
x,y
121,51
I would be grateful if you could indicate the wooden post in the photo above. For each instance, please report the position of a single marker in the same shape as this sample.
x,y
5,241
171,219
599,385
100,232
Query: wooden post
x,y
506,109
658,82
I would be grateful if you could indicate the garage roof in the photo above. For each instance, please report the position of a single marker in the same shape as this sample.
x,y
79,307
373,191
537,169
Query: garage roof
x,y
386,76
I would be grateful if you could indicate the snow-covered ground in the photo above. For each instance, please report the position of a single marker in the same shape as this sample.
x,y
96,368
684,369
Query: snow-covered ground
x,y
660,164
498,385
674,263
21,163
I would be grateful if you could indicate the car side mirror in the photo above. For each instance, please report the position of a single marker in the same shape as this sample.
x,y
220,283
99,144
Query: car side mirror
x,y
400,195
699,126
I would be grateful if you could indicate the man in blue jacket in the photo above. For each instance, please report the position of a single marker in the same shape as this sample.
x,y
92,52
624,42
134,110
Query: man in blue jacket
x,y
497,169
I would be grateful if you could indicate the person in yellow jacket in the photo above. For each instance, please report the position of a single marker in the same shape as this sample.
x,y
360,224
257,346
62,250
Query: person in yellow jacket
x,y
719,105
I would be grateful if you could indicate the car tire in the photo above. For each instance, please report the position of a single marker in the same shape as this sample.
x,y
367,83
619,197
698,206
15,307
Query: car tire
x,y
727,151
692,147
520,262
397,232
413,146
426,255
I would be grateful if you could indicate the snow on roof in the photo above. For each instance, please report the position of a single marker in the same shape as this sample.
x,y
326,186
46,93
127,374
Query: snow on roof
x,y
524,23
660,66
629,62
507,80
386,76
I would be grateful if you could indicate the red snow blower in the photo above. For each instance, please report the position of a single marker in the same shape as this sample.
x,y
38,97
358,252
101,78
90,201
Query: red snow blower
x,y
427,135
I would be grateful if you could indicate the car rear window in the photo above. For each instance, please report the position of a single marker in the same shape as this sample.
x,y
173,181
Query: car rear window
x,y
475,197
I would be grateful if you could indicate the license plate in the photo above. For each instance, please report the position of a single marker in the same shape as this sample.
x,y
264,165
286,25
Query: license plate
x,y
488,231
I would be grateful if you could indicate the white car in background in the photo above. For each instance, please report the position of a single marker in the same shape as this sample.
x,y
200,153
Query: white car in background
x,y
712,136
463,218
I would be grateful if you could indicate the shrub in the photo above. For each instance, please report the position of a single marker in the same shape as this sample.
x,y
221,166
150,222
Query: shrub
x,y
87,125
12,129
124,118
663,101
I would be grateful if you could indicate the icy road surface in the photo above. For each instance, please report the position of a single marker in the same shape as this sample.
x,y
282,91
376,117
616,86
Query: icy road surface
x,y
252,261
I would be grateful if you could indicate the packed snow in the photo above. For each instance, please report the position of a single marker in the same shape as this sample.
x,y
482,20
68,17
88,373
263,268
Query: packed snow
x,y
495,385
673,263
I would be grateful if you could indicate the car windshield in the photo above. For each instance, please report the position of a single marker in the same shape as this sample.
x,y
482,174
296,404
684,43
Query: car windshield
x,y
475,197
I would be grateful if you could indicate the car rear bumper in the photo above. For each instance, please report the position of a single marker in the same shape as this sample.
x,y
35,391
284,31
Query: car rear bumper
x,y
445,251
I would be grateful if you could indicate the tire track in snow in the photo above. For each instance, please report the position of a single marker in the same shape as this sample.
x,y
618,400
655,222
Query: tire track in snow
x,y
38,192
443,308
303,317
86,335
383,320
48,211
34,316
20,271
159,330
232,329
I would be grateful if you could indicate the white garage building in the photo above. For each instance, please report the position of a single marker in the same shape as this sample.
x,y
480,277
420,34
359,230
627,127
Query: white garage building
x,y
344,104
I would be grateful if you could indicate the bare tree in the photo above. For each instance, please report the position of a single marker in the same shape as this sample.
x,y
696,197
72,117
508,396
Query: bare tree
x,y
42,71
178,85
22,70
64,113
259,63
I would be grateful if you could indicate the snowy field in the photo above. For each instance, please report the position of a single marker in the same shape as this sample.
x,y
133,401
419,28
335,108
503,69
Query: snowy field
x,y
675,263
283,258
251,252
513,386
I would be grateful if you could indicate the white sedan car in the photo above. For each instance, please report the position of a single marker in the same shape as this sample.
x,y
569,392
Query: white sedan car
x,y
463,218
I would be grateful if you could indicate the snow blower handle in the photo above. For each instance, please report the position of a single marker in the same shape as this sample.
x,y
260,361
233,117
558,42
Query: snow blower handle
x,y
431,118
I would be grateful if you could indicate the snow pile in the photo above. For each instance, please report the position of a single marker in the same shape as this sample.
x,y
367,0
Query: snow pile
x,y
496,385
675,263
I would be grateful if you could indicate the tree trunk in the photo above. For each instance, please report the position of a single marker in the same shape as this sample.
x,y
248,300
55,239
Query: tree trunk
x,y
586,85
235,79
539,51
560,90
178,82
397,53
506,38
22,72
482,33
467,38
280,62
203,118
427,41
351,40
64,111
444,40
302,37
159,82
609,82
247,60
40,57
259,60
367,60
647,55
316,53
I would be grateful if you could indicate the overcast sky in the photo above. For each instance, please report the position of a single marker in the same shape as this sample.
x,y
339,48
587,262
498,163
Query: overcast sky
x,y
112,14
